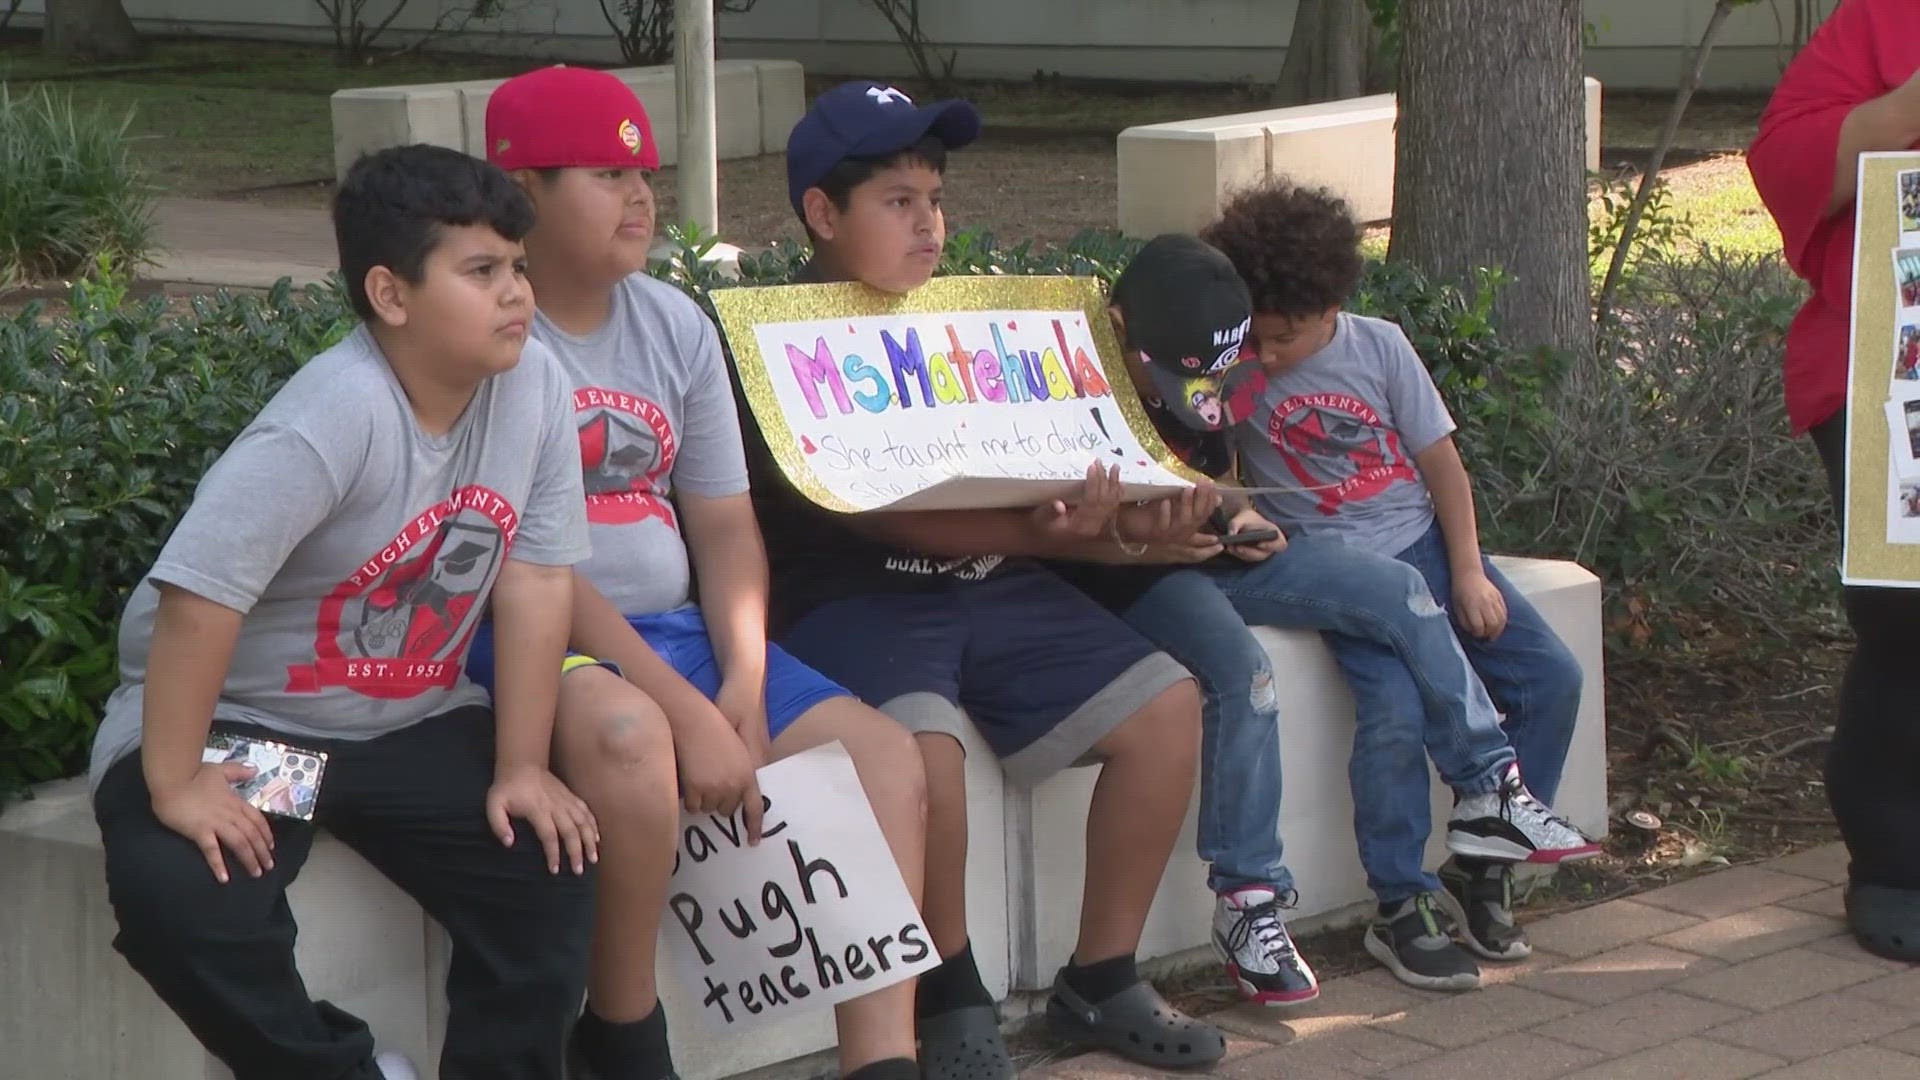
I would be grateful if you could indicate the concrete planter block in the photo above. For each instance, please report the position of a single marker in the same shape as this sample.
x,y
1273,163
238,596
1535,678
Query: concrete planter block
x,y
364,945
373,119
1316,809
783,101
756,103
76,1009
1176,176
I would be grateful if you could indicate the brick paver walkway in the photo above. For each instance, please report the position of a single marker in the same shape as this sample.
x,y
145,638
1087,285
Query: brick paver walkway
x,y
1742,973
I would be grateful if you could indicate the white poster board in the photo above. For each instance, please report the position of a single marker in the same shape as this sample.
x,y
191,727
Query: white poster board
x,y
814,915
969,392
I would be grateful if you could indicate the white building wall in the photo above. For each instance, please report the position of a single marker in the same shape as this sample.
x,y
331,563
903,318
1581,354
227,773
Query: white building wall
x,y
1635,43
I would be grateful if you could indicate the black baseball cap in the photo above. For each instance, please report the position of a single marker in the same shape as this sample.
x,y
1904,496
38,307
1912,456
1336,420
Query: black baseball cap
x,y
1186,312
868,120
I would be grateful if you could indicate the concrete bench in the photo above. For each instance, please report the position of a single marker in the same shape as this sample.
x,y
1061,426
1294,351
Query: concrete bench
x,y
1174,177
72,1007
756,103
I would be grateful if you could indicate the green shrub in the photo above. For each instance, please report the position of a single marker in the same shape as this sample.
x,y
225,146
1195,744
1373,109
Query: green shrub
x,y
70,191
1668,466
109,413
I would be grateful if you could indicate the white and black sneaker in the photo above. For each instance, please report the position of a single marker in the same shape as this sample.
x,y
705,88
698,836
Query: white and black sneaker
x,y
1510,825
1414,943
1261,959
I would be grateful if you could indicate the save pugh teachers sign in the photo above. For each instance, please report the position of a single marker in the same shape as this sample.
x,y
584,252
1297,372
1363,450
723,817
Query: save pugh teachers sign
x,y
969,392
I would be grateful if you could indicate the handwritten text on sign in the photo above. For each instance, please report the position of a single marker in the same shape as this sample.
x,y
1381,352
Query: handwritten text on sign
x,y
816,914
885,406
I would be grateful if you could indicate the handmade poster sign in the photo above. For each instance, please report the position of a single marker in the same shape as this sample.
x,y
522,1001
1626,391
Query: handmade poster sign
x,y
969,392
813,915
1883,394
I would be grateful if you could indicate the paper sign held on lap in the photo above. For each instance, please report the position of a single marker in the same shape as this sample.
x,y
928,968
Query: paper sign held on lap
x,y
817,914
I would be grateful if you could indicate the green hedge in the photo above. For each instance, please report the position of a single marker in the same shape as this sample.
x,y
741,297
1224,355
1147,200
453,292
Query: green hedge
x,y
109,412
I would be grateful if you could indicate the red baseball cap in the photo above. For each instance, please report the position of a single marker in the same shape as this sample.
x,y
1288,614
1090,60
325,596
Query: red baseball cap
x,y
568,117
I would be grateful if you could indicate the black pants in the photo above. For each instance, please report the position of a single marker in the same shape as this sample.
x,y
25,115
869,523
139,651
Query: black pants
x,y
414,805
1873,765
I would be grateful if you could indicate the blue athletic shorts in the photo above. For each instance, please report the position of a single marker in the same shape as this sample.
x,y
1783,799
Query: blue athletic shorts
x,y
680,637
1041,672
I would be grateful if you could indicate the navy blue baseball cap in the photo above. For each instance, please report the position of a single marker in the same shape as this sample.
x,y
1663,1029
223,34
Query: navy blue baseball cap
x,y
868,120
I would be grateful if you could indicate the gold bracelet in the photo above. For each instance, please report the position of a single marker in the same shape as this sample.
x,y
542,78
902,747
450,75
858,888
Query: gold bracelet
x,y
1120,541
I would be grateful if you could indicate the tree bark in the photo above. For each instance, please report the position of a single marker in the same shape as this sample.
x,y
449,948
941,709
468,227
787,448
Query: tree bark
x,y
1326,53
95,28
1490,165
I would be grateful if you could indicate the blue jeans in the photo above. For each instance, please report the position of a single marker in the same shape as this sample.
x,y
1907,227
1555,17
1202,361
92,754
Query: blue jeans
x,y
1378,610
1191,620
1533,678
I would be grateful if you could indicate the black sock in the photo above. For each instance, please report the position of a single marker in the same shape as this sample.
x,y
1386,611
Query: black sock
x,y
955,984
636,1050
890,1069
1101,980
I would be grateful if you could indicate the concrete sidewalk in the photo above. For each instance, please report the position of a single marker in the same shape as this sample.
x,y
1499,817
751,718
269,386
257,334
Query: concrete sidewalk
x,y
1743,973
241,244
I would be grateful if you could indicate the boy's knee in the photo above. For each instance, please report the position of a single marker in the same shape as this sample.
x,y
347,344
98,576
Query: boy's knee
x,y
886,755
1166,728
164,895
611,731
1562,676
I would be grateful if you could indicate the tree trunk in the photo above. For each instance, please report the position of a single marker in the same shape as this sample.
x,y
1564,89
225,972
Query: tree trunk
x,y
1326,53
1491,159
94,28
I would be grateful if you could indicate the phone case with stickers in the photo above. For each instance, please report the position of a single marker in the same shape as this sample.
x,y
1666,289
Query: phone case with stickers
x,y
286,779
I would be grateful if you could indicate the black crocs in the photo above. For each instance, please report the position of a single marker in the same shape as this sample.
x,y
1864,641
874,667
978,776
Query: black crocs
x,y
964,1044
1885,921
1137,1024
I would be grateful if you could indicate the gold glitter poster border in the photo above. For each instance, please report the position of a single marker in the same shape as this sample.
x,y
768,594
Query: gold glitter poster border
x,y
1866,556
742,310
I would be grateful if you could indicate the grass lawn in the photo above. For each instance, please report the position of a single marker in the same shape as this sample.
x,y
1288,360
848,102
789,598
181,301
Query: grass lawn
x,y
217,117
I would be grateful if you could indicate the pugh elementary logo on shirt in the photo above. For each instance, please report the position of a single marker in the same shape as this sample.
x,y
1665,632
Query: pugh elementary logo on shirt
x,y
397,626
627,450
1337,445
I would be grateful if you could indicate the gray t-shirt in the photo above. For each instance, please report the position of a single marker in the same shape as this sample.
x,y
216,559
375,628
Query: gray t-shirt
x,y
360,549
655,414
1346,425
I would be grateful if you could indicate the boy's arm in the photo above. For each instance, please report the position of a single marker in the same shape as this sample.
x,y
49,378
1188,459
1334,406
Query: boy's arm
x,y
723,537
1477,604
268,491
1095,529
730,563
193,640
533,611
1425,428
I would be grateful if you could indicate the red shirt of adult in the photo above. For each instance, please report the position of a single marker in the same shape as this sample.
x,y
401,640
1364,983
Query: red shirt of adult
x,y
1863,51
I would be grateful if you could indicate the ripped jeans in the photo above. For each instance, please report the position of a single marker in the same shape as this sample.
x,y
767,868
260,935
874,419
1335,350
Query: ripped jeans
x,y
1370,607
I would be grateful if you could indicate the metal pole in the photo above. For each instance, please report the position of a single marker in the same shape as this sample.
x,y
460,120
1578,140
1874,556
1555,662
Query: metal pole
x,y
699,188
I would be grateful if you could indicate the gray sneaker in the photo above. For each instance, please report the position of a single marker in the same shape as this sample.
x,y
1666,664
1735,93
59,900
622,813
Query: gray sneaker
x,y
1415,945
1480,902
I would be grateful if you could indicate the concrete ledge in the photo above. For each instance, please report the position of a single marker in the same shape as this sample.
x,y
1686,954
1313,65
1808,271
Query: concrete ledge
x,y
757,102
1316,807
1175,176
368,948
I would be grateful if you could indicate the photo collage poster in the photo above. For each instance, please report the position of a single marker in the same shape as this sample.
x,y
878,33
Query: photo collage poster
x,y
1882,524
